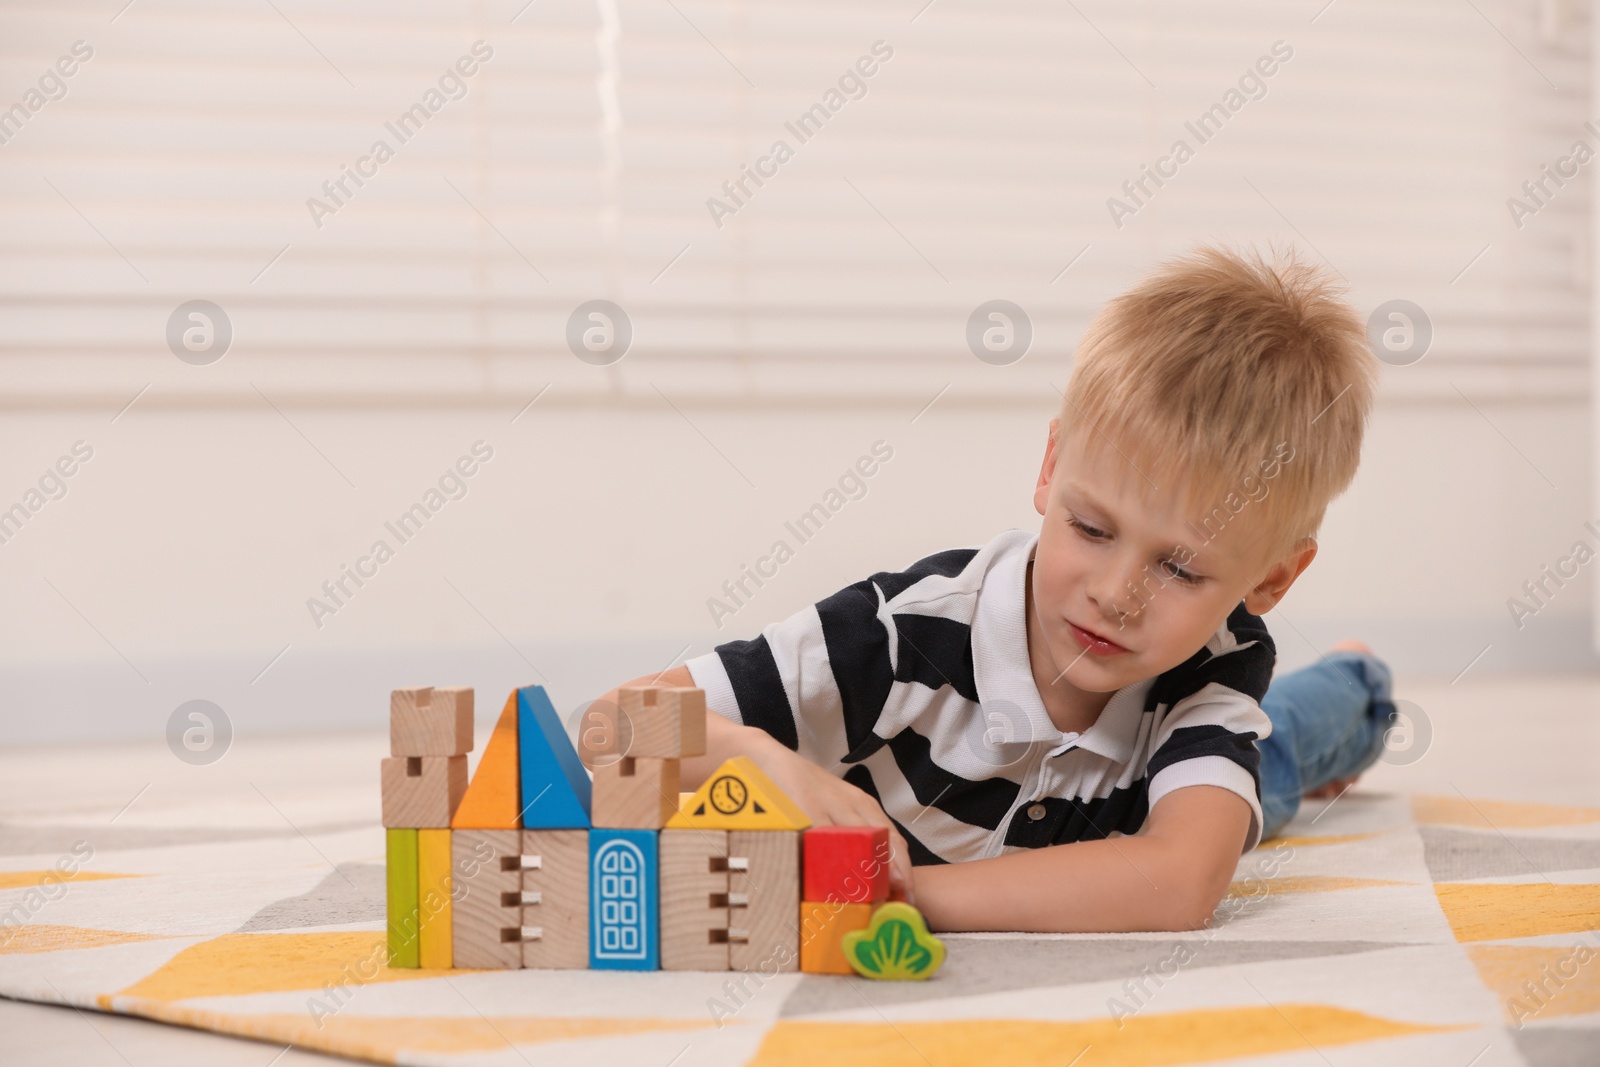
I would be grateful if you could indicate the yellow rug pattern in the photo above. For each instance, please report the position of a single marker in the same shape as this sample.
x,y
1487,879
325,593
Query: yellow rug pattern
x,y
1393,930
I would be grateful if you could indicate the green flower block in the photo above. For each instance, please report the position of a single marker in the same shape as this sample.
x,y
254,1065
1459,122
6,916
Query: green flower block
x,y
895,945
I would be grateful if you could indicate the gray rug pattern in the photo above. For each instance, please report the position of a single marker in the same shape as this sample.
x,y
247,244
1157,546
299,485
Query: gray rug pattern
x,y
979,966
351,893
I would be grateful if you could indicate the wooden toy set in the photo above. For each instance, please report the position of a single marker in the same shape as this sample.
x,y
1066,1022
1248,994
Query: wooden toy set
x,y
534,865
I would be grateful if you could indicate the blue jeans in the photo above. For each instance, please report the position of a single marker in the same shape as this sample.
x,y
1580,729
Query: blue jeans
x,y
1328,722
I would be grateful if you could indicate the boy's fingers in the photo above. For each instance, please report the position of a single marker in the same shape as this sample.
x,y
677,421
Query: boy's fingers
x,y
872,814
858,808
900,867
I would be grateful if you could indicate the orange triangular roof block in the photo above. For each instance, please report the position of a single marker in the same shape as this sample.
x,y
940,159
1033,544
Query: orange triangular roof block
x,y
494,797
738,796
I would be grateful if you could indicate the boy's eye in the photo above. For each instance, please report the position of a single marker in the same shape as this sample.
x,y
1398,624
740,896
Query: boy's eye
x,y
1178,573
1084,528
1169,568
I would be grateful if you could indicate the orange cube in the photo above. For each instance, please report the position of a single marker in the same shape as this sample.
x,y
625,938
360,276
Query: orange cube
x,y
823,925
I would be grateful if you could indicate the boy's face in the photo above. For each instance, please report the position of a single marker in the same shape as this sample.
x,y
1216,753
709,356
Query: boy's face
x,y
1124,587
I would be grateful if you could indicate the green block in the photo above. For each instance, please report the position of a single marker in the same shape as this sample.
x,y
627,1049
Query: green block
x,y
895,945
405,917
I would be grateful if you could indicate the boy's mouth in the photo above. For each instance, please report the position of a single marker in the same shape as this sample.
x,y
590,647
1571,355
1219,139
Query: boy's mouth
x,y
1097,645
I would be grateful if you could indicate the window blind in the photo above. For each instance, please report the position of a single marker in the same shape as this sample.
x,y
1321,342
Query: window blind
x,y
935,156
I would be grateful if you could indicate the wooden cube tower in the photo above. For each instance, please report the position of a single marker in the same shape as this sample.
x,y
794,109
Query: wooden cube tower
x,y
846,877
422,781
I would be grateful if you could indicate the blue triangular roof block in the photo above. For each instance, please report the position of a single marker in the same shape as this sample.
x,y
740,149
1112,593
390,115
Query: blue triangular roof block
x,y
555,787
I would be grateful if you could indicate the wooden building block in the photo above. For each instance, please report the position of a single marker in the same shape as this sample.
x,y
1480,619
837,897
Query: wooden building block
x,y
493,800
694,900
764,900
665,722
555,786
848,864
555,898
430,722
422,791
487,911
739,796
823,925
623,893
400,872
433,898
635,794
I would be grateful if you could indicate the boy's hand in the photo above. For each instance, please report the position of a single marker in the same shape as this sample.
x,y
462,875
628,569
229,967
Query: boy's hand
x,y
831,801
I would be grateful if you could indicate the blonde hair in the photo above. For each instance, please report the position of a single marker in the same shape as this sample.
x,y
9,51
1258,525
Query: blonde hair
x,y
1213,365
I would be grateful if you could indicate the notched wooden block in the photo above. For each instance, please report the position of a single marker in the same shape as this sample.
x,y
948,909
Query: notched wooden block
x,y
635,794
425,721
663,722
422,791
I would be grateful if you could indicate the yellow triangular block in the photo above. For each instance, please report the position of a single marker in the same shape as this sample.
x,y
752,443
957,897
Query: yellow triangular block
x,y
738,796
493,800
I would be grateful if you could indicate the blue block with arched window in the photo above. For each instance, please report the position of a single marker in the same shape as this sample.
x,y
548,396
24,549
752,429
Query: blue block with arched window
x,y
624,923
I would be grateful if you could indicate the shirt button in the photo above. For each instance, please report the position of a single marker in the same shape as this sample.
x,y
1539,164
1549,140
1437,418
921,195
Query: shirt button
x,y
1036,812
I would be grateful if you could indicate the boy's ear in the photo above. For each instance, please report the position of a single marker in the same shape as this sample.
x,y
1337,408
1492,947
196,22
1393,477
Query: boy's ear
x,y
1047,469
1275,584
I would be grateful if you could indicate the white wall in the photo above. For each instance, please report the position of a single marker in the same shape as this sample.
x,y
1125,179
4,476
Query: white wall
x,y
587,548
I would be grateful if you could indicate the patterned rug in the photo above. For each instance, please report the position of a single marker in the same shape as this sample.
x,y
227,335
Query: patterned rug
x,y
1380,930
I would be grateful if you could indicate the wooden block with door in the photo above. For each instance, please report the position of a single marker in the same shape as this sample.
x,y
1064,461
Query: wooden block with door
x,y
763,900
487,909
694,900
555,898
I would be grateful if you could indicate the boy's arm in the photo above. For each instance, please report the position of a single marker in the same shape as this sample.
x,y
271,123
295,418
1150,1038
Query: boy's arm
x,y
1170,876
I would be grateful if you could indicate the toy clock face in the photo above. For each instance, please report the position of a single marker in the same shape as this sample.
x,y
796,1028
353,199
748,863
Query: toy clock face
x,y
729,795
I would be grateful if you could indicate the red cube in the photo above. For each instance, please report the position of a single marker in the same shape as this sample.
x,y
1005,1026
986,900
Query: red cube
x,y
846,864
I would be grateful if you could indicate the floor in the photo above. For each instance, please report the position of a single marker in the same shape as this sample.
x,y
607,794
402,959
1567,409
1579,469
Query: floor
x,y
1511,738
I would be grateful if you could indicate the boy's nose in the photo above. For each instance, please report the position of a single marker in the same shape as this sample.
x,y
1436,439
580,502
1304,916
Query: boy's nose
x,y
1112,604
1113,596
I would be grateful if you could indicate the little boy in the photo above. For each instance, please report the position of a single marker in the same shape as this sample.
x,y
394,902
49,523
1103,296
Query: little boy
x,y
1066,731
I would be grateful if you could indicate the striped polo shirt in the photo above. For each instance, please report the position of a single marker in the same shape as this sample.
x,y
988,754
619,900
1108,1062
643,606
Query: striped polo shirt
x,y
915,686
